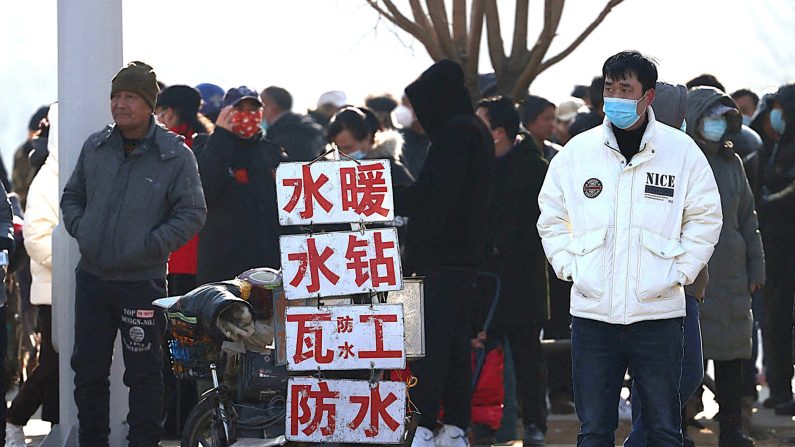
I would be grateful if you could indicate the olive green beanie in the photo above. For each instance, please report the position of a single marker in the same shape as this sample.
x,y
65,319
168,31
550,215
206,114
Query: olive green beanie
x,y
139,78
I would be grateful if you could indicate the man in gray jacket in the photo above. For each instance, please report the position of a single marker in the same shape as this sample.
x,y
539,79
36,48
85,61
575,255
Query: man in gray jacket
x,y
134,196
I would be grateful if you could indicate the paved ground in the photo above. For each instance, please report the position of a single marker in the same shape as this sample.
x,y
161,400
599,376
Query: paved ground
x,y
768,429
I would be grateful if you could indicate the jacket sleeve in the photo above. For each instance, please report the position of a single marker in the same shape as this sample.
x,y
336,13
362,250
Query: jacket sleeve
x,y
528,242
215,160
188,208
73,200
6,223
554,225
749,228
702,219
41,216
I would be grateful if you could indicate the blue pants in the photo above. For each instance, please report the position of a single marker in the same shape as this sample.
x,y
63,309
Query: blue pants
x,y
601,354
692,373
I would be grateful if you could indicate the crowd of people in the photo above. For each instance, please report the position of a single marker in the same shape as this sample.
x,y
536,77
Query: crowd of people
x,y
599,216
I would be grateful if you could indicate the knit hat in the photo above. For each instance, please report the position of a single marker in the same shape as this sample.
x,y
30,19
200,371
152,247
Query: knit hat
x,y
180,97
139,78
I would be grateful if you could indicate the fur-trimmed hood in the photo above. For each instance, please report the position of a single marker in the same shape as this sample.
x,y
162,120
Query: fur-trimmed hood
x,y
388,144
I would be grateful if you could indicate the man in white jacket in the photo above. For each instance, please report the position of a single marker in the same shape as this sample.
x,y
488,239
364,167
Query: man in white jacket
x,y
630,213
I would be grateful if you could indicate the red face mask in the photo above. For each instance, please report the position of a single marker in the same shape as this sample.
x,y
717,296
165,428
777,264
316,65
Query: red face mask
x,y
246,124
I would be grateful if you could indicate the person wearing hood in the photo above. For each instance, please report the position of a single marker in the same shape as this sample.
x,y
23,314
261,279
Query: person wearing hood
x,y
134,197
237,167
630,213
446,240
41,217
775,123
415,140
726,321
299,136
518,258
358,134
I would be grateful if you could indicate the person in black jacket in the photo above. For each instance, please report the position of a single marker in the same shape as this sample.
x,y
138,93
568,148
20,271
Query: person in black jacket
x,y
237,167
300,136
518,257
447,236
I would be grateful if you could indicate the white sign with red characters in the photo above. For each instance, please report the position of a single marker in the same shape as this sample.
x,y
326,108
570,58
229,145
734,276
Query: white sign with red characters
x,y
340,263
334,192
345,411
345,337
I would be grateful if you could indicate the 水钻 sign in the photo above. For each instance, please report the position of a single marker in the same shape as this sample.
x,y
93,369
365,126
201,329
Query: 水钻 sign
x,y
345,337
345,411
334,192
340,263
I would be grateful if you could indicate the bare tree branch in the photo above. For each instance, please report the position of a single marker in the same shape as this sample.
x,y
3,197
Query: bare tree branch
x,y
438,13
475,33
460,26
519,44
494,36
420,17
553,11
599,19
395,16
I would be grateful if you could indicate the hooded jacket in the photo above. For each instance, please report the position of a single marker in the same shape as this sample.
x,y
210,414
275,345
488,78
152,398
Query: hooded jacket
x,y
299,136
726,320
242,230
128,213
41,217
629,234
446,205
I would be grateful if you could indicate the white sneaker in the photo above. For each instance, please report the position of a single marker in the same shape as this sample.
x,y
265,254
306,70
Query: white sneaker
x,y
451,436
624,410
15,437
423,438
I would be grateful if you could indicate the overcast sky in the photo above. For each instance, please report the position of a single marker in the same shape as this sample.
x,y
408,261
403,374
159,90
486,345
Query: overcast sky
x,y
311,46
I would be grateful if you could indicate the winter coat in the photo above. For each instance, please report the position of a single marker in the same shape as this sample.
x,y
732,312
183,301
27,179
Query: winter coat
x,y
726,319
6,238
300,136
518,256
183,260
203,305
389,145
41,217
629,234
415,150
242,229
129,212
446,205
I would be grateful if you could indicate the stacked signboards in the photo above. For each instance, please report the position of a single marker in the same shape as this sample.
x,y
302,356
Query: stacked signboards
x,y
328,267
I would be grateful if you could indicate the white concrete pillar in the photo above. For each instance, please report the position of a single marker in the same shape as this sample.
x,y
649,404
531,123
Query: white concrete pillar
x,y
89,54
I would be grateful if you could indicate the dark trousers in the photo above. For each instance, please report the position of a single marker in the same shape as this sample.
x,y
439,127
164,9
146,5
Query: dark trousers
x,y
103,308
601,354
779,293
41,388
530,370
692,373
445,374
728,378
3,384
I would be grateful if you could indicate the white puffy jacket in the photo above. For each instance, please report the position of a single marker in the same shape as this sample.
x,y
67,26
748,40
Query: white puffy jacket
x,y
629,235
41,216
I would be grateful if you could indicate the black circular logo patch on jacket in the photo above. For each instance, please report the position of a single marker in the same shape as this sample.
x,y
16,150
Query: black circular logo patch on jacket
x,y
592,188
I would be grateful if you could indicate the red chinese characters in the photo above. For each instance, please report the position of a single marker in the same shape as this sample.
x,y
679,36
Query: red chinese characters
x,y
364,190
341,263
345,411
345,337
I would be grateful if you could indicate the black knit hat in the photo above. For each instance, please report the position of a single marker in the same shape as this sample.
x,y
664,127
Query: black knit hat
x,y
139,78
182,97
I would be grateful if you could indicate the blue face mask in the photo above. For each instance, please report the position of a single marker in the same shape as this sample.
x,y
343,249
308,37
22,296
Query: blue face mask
x,y
713,127
683,127
622,112
263,125
746,120
777,121
357,155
